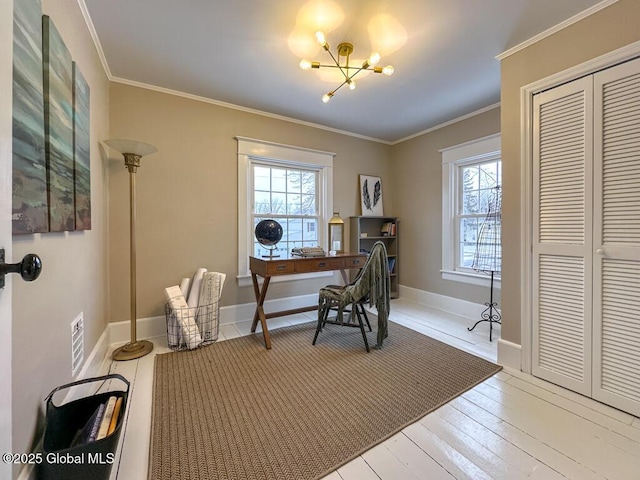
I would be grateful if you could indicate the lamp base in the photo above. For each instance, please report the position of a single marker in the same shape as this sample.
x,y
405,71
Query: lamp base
x,y
131,351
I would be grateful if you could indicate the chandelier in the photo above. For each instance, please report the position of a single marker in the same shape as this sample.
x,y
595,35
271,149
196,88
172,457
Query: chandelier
x,y
342,63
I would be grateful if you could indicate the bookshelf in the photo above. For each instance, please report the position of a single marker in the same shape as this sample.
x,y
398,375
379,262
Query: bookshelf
x,y
365,231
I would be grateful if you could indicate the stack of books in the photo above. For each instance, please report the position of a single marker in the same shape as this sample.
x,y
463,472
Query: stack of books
x,y
388,229
101,424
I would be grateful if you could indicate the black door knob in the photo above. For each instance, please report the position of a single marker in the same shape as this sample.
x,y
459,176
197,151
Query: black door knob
x,y
29,268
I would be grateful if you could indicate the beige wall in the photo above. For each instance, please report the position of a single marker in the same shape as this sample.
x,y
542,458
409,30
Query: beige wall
x,y
74,275
416,182
605,31
187,192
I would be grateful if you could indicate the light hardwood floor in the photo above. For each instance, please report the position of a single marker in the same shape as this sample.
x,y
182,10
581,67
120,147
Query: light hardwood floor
x,y
512,426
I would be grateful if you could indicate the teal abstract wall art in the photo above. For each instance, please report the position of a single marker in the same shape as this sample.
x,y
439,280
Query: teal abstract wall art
x,y
58,128
30,212
81,150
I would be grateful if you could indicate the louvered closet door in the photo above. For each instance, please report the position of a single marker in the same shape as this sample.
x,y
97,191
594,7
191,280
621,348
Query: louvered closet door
x,y
616,312
562,258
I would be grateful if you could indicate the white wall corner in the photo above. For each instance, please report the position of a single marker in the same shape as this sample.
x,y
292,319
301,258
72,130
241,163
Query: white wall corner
x,y
509,354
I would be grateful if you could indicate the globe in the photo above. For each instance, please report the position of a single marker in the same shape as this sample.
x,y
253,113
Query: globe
x,y
268,233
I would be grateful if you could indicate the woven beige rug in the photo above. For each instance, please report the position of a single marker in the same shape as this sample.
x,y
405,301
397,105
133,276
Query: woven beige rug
x,y
236,411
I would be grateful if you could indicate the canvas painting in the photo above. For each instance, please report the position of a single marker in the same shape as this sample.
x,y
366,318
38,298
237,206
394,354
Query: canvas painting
x,y
371,196
30,213
58,127
81,150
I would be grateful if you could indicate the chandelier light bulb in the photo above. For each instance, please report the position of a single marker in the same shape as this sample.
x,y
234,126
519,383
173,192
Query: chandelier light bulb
x,y
320,38
305,64
374,58
326,97
388,70
352,84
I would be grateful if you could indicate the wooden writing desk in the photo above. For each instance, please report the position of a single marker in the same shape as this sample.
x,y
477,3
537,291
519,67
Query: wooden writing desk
x,y
267,268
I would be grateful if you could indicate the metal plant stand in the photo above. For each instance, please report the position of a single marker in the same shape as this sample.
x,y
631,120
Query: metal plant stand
x,y
488,256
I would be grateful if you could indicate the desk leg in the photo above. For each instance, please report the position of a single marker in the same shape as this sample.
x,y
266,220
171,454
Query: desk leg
x,y
260,294
345,278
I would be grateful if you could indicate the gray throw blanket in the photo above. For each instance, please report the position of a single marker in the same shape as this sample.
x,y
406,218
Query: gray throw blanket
x,y
372,280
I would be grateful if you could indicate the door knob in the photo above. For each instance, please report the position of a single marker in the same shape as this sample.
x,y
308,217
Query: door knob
x,y
600,251
29,268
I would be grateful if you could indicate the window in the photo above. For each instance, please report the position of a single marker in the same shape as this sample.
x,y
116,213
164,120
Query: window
x,y
476,188
470,172
290,196
292,185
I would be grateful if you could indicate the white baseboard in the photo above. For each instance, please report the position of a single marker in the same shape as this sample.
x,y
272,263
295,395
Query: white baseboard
x,y
509,354
152,327
443,302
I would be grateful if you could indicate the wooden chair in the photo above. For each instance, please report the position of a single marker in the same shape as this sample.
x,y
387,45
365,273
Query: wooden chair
x,y
372,284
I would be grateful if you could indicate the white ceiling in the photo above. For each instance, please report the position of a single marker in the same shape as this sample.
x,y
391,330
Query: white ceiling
x,y
238,52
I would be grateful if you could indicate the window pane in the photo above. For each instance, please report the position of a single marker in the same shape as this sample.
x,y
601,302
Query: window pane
x,y
294,229
470,180
485,196
469,230
261,178
309,182
278,180
308,206
310,231
467,253
294,181
262,202
489,175
278,203
293,204
470,202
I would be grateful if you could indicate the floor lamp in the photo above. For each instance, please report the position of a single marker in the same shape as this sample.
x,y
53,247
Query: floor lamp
x,y
132,151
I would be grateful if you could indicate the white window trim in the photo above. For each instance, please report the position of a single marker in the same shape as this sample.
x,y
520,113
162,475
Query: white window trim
x,y
248,149
485,148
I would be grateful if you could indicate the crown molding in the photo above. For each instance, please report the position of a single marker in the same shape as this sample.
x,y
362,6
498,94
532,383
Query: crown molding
x,y
446,124
556,28
219,103
94,36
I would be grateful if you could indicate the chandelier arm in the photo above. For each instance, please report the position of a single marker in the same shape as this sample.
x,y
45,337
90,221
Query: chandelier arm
x,y
340,86
338,65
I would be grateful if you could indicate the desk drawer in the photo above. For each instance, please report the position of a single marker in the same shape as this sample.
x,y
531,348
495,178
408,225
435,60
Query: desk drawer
x,y
319,264
357,262
280,268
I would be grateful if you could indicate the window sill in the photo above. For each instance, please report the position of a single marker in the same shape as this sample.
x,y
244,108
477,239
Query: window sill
x,y
245,280
471,278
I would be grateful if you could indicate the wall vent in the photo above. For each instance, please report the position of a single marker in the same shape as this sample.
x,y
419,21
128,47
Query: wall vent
x,y
77,344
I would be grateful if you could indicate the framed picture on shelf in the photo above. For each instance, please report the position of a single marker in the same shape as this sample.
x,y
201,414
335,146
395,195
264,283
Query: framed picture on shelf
x,y
371,196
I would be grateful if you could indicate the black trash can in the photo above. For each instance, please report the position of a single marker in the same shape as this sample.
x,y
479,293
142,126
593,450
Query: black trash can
x,y
61,460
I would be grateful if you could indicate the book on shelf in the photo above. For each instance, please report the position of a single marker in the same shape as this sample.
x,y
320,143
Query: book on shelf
x,y
392,264
385,230
106,418
393,230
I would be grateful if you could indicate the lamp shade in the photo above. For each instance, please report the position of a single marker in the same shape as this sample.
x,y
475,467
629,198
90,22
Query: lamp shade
x,y
336,233
131,146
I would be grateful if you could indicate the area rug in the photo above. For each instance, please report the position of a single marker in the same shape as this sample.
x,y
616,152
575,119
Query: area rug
x,y
237,411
